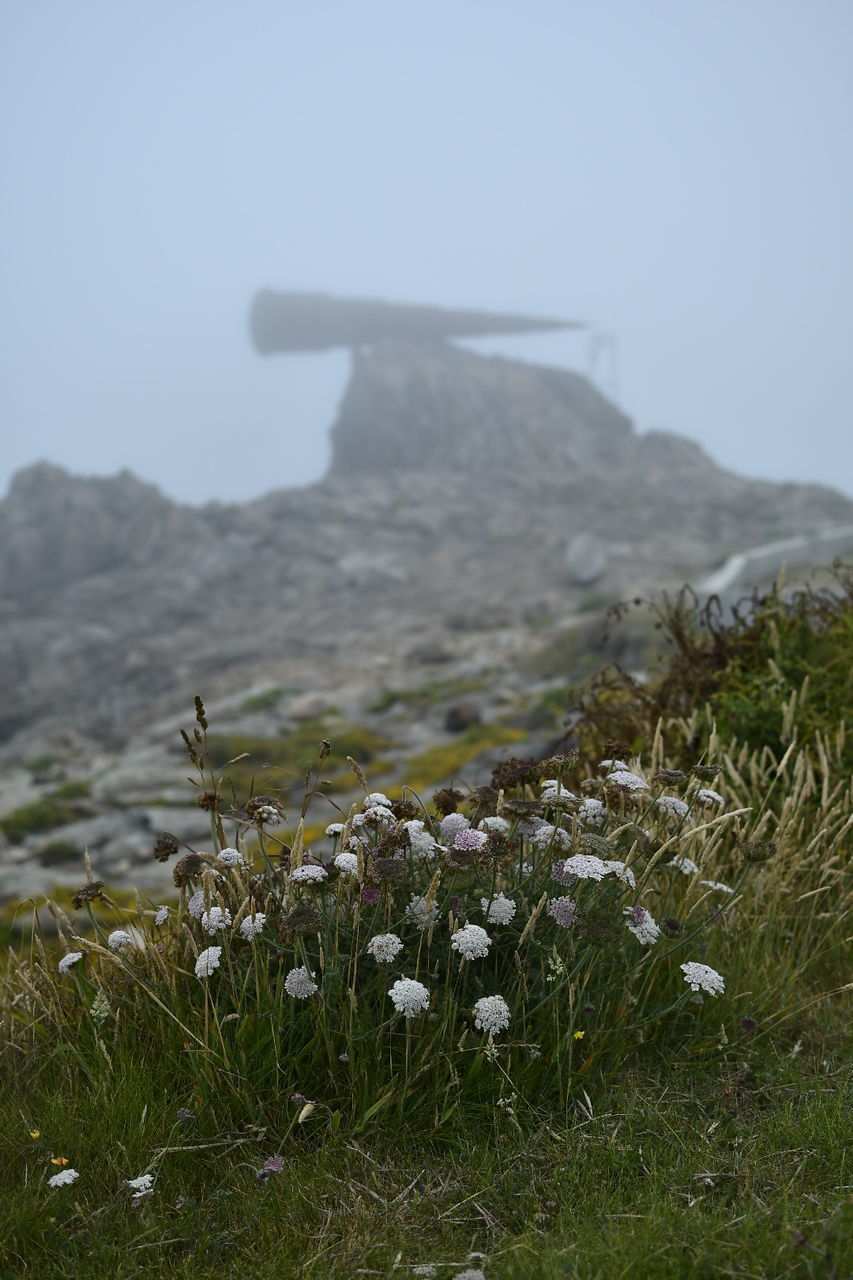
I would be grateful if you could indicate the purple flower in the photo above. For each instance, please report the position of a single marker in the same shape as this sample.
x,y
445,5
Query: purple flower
x,y
370,895
274,1164
469,840
564,911
456,904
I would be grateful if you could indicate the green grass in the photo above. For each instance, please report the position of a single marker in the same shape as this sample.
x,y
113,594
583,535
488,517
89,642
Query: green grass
x,y
53,810
439,763
266,700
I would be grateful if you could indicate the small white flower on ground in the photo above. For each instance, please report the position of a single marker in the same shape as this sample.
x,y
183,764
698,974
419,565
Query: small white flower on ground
x,y
419,914
334,829
409,997
309,874
672,806
384,947
718,885
642,924
141,1185
471,941
621,872
703,978
215,920
685,865
422,843
300,983
376,798
627,781
706,796
251,926
118,940
347,863
63,1179
195,906
470,1273
491,1013
69,960
234,858
162,915
500,910
494,824
207,962
451,825
583,865
591,813
425,1269
468,840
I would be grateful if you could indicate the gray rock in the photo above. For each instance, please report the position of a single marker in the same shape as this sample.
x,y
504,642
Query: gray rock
x,y
586,559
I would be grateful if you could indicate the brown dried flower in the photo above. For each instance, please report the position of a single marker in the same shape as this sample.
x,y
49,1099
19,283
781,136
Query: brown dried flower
x,y
706,771
87,892
303,918
207,800
516,773
187,868
757,850
447,800
669,777
265,810
165,846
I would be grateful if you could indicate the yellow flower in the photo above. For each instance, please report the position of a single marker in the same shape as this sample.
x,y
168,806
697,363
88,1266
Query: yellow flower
x,y
60,1160
35,1133
579,1035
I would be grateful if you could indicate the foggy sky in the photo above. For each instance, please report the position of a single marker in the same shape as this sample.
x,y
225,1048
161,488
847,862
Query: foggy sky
x,y
673,172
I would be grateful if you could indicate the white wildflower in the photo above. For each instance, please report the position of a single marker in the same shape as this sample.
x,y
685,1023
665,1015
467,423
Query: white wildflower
x,y
384,947
612,764
300,983
451,824
215,920
251,926
207,962
334,829
234,858
500,910
425,1269
347,863
583,865
499,825
309,874
119,939
63,1179
470,1273
422,843
409,997
621,872
162,915
378,816
702,978
491,1013
627,781
672,806
528,827
642,924
376,798
471,941
419,914
591,813
553,789
69,960
141,1185
718,885
706,796
685,865
195,906
557,837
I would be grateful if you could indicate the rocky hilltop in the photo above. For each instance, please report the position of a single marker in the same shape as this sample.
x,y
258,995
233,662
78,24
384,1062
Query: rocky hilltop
x,y
466,496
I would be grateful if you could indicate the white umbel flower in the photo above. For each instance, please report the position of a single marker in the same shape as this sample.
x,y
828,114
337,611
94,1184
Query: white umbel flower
x,y
627,781
309,874
685,865
119,939
553,789
642,924
334,829
251,926
207,962
672,806
63,1179
500,910
500,825
585,866
300,983
451,825
591,813
621,872
384,947
376,798
419,914
612,764
409,997
472,942
555,837
717,885
215,920
67,962
491,1013
421,842
162,915
706,796
195,905
142,1185
234,858
347,863
703,978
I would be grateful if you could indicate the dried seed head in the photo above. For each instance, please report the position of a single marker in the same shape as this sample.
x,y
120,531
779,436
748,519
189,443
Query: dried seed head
x,y
387,868
199,712
757,850
516,773
404,810
303,918
207,800
87,892
265,810
671,927
188,868
706,771
618,749
669,777
165,846
560,763
592,845
447,800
